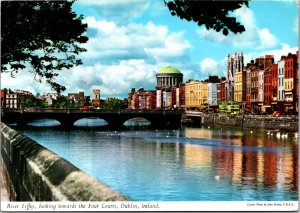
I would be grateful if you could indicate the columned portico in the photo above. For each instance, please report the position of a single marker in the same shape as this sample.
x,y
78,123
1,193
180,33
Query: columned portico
x,y
168,77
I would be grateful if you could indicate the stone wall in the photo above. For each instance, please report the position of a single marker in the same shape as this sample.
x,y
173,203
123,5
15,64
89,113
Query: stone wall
x,y
282,123
34,173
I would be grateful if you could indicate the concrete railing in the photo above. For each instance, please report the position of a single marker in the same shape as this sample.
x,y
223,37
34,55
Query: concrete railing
x,y
34,173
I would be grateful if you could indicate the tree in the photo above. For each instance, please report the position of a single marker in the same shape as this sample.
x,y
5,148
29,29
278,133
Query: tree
x,y
113,103
212,13
43,37
61,102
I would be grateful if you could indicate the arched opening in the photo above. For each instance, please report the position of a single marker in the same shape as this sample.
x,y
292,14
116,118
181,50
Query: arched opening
x,y
92,121
44,122
136,122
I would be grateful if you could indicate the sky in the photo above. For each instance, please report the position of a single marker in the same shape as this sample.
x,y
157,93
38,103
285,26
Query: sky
x,y
131,40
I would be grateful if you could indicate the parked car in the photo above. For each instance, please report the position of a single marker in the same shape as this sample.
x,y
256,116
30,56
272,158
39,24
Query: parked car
x,y
276,113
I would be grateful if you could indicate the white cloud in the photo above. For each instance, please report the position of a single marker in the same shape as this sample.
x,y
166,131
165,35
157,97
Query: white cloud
x,y
266,38
112,42
253,37
23,80
173,46
113,80
285,50
208,66
118,58
277,53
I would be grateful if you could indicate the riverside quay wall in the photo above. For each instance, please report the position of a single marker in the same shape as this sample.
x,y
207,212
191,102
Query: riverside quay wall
x,y
268,122
34,173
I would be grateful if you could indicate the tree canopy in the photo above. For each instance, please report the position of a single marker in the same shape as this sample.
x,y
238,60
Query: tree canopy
x,y
214,14
42,37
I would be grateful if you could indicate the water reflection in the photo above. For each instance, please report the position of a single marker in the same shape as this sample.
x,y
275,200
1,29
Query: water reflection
x,y
137,122
184,165
269,161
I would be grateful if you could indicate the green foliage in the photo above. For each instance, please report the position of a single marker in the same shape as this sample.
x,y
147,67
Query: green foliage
x,y
113,103
33,102
61,102
41,103
75,105
213,14
42,37
27,103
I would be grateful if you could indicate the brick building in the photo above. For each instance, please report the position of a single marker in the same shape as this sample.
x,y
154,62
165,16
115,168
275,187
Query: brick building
x,y
3,98
268,89
290,69
274,85
222,96
142,99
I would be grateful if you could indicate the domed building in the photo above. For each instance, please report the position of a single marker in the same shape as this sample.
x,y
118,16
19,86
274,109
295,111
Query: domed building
x,y
169,88
168,77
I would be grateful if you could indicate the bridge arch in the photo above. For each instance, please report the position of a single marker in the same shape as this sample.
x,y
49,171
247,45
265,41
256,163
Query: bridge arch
x,y
43,122
137,121
90,121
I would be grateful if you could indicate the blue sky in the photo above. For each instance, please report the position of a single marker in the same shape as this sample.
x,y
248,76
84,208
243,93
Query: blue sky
x,y
131,40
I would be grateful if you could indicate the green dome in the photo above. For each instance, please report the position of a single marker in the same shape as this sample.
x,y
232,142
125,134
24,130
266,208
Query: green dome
x,y
169,70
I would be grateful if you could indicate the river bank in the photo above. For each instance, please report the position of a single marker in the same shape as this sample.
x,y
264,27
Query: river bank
x,y
288,123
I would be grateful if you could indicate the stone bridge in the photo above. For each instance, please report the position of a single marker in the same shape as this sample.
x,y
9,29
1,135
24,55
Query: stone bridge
x,y
115,118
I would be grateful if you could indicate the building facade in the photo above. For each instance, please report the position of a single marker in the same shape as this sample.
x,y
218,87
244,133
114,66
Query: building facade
x,y
196,95
235,63
249,69
254,89
14,100
290,68
280,88
267,90
192,95
238,87
223,90
141,99
166,79
274,79
3,98
96,98
260,98
212,94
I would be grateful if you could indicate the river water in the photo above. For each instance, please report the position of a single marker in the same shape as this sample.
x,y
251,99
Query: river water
x,y
191,164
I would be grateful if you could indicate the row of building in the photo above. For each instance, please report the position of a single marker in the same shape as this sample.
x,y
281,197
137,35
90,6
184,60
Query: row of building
x,y
18,98
258,86
263,85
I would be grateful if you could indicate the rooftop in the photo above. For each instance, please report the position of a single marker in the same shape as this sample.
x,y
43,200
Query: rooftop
x,y
169,70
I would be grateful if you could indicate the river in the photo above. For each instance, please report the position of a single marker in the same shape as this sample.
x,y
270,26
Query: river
x,y
190,164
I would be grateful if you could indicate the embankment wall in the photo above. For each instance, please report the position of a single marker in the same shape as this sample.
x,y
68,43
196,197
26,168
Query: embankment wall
x,y
34,173
269,122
